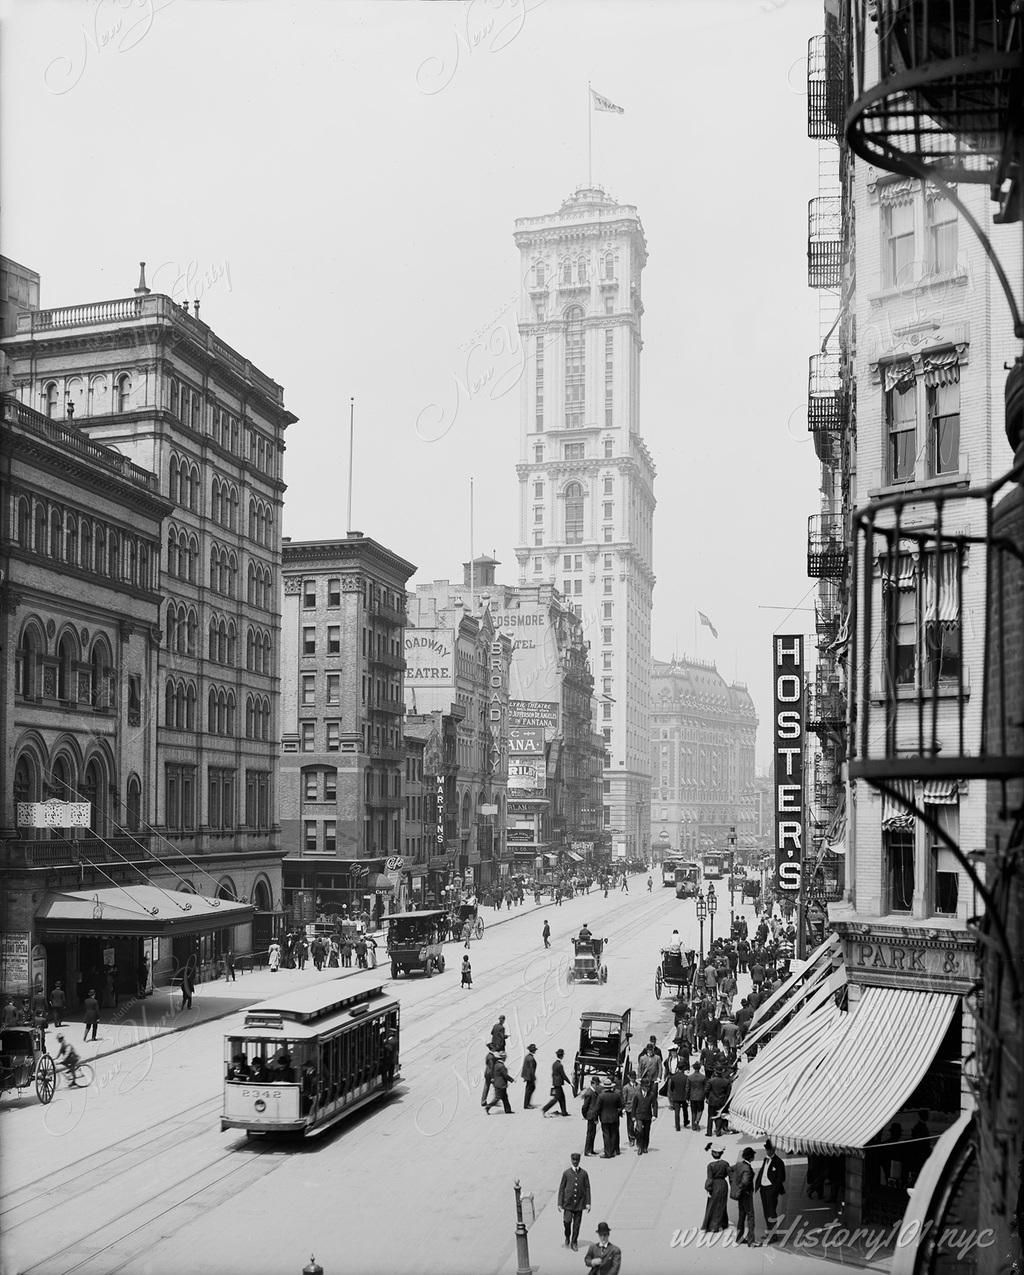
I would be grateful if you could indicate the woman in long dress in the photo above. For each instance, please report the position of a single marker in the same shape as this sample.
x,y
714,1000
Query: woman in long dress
x,y
467,972
716,1215
274,957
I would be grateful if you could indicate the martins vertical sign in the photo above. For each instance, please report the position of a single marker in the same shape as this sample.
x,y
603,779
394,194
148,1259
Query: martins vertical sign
x,y
788,676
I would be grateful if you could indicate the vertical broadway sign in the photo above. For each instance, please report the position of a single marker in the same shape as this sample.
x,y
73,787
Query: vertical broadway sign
x,y
788,671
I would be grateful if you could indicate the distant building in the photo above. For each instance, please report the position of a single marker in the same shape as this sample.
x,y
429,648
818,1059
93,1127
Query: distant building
x,y
586,477
703,740
342,733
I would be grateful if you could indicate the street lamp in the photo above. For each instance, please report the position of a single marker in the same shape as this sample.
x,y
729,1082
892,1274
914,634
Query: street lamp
x,y
712,908
702,911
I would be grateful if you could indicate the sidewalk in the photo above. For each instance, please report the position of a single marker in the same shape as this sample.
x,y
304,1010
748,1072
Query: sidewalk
x,y
137,1019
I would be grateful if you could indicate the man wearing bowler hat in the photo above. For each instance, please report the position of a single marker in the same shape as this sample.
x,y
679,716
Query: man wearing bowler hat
x,y
604,1257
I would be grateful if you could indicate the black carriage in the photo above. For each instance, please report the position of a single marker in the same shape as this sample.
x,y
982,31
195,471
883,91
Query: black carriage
x,y
587,965
414,942
604,1046
674,971
24,1062
751,888
467,914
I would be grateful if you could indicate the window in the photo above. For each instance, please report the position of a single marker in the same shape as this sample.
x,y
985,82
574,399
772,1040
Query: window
x,y
606,712
609,375
308,740
567,562
941,227
179,790
333,688
943,429
309,840
901,420
538,564
309,640
606,685
577,586
606,611
607,562
334,593
606,660
606,636
944,866
929,590
257,799
609,507
898,244
609,266
607,584
308,689
538,455
608,535
333,737
566,271
899,861
220,807
575,368
567,587
540,274
609,486
538,513
309,594
581,270
607,816
578,562
330,785
330,836
574,513
333,639
539,380
538,538
608,448
574,451
538,491
310,785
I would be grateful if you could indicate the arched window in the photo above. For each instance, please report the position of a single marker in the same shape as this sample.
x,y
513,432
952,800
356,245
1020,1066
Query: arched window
x,y
229,715
26,779
144,580
195,415
86,547
250,718
174,398
133,804
170,715
61,785
114,556
71,540
609,265
250,589
173,567
252,519
24,532
50,399
172,481
232,509
211,712
100,675
573,513
122,393
56,533
567,271
94,791
67,655
193,488
539,274
229,647
215,569
30,648
191,631
129,561
575,368
39,528
99,559
191,697
581,270
215,512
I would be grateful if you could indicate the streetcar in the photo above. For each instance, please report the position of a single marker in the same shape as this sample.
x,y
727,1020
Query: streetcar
x,y
668,871
687,880
714,866
305,1060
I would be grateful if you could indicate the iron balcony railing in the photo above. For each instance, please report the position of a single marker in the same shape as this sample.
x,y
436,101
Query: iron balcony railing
x,y
824,242
936,83
824,90
826,547
933,585
826,706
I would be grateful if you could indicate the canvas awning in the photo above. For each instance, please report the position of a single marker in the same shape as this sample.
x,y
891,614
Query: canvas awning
x,y
378,881
821,979
576,858
876,1057
144,910
817,964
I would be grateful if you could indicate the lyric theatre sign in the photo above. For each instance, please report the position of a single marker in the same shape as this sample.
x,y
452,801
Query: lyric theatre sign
x,y
788,671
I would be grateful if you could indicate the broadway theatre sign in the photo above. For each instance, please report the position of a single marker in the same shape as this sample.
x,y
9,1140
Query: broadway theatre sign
x,y
899,956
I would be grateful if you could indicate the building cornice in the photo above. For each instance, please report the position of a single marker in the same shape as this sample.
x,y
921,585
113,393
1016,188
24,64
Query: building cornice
x,y
362,554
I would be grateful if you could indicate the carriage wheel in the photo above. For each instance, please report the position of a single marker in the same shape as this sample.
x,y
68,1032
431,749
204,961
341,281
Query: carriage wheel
x,y
46,1078
394,970
440,964
478,929
604,973
658,982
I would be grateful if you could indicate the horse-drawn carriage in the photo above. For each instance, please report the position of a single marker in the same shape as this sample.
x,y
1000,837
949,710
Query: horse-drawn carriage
x,y
24,1061
674,971
604,1046
587,966
414,942
467,914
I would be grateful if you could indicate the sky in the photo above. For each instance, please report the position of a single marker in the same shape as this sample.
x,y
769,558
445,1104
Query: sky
x,y
337,183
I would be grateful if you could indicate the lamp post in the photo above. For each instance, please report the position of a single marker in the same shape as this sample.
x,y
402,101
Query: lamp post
x,y
732,870
712,908
523,1266
702,911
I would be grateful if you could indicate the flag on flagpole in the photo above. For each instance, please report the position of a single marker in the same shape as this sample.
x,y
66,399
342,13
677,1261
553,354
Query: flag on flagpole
x,y
602,103
705,621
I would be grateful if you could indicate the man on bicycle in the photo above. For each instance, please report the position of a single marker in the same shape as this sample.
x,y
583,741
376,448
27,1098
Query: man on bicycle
x,y
70,1061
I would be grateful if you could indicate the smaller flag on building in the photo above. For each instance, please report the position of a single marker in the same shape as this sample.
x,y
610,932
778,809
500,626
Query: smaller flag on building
x,y
705,621
602,103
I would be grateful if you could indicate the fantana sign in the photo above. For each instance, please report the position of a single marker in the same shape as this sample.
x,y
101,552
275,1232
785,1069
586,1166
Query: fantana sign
x,y
788,678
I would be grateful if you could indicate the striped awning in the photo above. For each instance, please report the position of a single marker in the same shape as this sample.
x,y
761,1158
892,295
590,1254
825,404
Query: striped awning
x,y
898,570
941,588
893,814
941,792
770,1014
761,1086
876,1058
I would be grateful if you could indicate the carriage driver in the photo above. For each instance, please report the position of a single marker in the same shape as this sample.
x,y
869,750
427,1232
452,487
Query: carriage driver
x,y
585,935
675,943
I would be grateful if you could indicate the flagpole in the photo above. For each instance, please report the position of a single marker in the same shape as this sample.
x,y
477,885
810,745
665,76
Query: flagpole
x,y
696,634
590,125
351,436
472,590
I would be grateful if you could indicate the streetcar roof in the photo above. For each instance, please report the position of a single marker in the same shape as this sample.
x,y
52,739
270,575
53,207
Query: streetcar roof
x,y
311,1005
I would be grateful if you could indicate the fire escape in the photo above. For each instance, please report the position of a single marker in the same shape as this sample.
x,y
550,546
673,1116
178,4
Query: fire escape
x,y
938,97
829,420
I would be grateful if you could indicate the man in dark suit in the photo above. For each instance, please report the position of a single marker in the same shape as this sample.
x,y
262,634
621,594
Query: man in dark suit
x,y
558,1082
603,1258
609,1110
573,1198
591,1103
770,1183
696,1091
529,1075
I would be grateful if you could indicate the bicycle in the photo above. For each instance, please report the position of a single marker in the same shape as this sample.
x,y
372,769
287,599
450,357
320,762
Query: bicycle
x,y
83,1075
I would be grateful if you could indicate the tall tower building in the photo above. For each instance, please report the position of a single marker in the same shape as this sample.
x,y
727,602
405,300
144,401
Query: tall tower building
x,y
586,478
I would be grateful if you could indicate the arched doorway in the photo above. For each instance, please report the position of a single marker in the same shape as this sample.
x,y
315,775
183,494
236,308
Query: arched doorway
x,y
261,897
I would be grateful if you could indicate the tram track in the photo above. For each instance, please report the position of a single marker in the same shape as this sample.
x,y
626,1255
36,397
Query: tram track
x,y
157,1211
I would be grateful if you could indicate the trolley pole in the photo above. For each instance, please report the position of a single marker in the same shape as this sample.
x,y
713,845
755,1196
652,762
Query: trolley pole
x,y
523,1266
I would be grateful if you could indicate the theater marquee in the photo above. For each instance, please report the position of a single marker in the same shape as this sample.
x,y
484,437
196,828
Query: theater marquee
x,y
788,678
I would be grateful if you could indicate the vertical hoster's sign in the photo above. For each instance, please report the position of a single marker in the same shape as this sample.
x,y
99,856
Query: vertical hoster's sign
x,y
788,668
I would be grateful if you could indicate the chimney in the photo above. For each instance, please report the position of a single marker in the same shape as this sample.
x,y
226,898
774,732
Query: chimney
x,y
195,306
142,290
